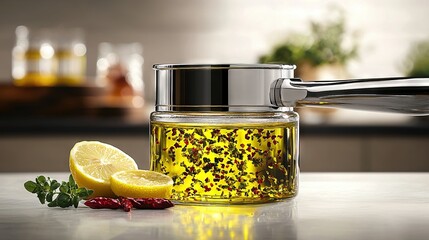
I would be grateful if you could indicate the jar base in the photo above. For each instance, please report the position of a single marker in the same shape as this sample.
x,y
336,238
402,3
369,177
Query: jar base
x,y
231,201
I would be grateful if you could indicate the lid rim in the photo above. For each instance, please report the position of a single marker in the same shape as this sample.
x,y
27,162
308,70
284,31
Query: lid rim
x,y
222,66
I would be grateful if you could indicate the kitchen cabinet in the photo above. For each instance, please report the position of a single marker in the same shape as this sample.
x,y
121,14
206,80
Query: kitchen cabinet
x,y
365,153
398,154
51,153
324,153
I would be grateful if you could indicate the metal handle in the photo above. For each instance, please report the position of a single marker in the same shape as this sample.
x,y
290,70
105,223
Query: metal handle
x,y
401,95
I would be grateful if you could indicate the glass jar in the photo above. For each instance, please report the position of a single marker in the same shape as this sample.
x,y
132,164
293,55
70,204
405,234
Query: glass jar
x,y
35,61
120,70
71,53
216,133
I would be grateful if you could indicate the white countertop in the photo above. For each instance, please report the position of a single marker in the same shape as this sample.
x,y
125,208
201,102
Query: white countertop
x,y
329,206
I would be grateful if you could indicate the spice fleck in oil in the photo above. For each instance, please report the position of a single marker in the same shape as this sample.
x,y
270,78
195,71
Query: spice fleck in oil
x,y
227,163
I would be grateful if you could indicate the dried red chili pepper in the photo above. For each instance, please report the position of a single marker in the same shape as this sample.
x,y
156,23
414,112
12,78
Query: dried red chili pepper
x,y
126,204
151,203
103,202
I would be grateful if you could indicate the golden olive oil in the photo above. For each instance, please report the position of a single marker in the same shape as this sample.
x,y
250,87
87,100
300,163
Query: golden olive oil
x,y
40,71
227,163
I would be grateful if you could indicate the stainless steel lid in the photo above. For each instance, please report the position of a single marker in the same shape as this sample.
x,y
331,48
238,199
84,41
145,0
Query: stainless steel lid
x,y
217,87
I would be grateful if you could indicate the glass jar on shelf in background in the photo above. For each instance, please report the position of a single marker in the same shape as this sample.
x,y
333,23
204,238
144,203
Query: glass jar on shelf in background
x,y
34,59
71,53
120,70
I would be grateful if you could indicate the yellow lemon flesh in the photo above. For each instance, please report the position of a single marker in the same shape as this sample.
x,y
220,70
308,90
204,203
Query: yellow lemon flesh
x,y
141,184
92,164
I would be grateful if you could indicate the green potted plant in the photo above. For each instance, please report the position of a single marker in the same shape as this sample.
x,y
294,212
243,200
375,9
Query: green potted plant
x,y
323,47
417,60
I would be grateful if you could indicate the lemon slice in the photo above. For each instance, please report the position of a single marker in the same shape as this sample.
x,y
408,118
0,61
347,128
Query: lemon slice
x,y
141,184
92,163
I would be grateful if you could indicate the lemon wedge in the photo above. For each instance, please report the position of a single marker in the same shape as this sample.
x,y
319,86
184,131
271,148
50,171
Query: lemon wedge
x,y
92,163
141,184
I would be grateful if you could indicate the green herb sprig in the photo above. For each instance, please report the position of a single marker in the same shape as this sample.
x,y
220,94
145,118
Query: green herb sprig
x,y
64,194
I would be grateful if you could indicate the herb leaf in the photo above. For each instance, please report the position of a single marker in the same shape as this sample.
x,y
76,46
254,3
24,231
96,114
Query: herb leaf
x,y
72,183
75,201
63,200
40,179
49,196
55,185
31,186
64,188
42,197
53,204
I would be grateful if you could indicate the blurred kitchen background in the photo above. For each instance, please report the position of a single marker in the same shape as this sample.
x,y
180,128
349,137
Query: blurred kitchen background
x,y
94,78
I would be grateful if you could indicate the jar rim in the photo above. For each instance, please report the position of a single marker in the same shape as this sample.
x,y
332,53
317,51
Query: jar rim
x,y
222,66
